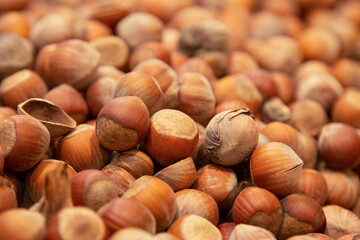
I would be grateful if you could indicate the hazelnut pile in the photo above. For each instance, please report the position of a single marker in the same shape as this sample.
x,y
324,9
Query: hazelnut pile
x,y
179,119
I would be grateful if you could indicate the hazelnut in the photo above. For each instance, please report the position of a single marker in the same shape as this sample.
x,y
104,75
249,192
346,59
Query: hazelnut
x,y
196,97
50,115
35,179
148,50
192,201
285,85
110,12
132,233
230,105
264,24
347,72
313,184
5,113
8,199
90,30
122,123
17,135
157,196
210,35
21,86
179,175
66,64
165,76
219,182
338,145
113,51
343,187
226,229
285,53
340,221
217,60
308,116
172,136
275,110
241,62
302,215
194,227
238,87
346,109
14,22
188,16
161,8
249,232
70,100
197,65
136,162
320,87
16,53
231,136
29,224
264,82
123,213
99,93
139,27
275,167
258,207
328,44
52,28
144,86
82,150
122,178
76,223
92,188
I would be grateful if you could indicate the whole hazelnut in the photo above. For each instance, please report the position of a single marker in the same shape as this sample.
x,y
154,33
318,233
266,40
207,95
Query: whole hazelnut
x,y
231,136
275,167
122,123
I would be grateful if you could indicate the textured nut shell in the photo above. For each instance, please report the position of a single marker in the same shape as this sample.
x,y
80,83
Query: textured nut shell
x,y
346,109
82,150
219,182
248,232
238,87
99,93
35,179
16,141
194,227
157,196
121,177
123,213
302,215
338,146
21,86
179,175
73,62
8,199
192,201
70,100
30,225
172,136
343,187
144,86
275,167
132,234
230,137
76,223
136,162
196,97
313,184
258,207
54,118
340,221
92,188
122,123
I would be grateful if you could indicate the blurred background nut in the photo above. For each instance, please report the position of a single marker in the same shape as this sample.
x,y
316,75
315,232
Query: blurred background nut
x,y
16,53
